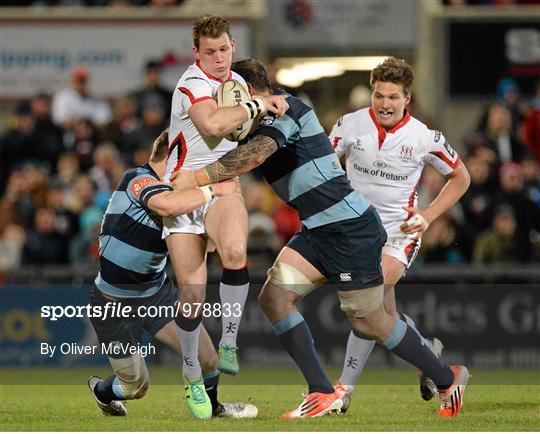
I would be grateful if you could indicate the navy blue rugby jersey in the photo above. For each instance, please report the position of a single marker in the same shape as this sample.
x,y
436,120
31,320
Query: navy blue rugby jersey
x,y
132,255
305,171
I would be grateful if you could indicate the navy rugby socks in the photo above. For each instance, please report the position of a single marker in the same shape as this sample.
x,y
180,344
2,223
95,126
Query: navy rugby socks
x,y
104,390
407,344
294,334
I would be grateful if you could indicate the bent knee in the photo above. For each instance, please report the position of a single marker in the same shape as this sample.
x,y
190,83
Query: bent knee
x,y
362,303
234,255
193,295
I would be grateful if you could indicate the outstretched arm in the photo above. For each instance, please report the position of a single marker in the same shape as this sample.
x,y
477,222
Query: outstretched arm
x,y
172,203
240,160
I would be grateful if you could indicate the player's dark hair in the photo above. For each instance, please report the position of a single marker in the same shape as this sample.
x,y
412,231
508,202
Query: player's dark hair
x,y
212,26
393,70
160,147
254,72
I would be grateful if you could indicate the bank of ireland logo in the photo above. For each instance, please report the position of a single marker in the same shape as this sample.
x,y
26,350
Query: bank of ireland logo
x,y
379,164
406,153
345,277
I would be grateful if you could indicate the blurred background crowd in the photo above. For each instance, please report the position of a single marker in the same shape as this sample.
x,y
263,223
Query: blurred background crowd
x,y
170,3
62,155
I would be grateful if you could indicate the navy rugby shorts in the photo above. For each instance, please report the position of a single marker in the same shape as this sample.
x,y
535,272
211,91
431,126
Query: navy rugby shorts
x,y
347,253
129,330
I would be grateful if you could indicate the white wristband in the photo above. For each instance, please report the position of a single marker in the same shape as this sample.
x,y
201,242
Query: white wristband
x,y
418,219
208,192
262,104
254,107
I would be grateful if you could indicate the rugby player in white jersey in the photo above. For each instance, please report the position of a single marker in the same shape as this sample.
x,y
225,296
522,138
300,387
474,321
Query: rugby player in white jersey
x,y
385,150
196,139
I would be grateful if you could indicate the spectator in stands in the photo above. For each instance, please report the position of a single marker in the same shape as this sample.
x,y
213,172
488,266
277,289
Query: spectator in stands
x,y
499,245
75,102
108,168
152,88
122,129
16,206
262,229
48,135
66,222
499,136
531,126
25,192
84,247
17,145
66,174
531,178
508,95
526,211
85,141
84,197
44,245
106,173
477,199
446,242
12,239
154,120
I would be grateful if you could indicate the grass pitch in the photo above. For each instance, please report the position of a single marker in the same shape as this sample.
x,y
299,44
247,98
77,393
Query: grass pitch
x,y
385,400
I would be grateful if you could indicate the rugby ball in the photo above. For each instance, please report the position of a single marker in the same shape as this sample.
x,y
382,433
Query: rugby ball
x,y
230,94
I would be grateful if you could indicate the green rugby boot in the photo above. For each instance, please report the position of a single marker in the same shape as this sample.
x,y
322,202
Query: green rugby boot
x,y
228,360
197,399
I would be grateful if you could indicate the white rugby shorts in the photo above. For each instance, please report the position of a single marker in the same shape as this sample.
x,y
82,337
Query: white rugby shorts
x,y
190,223
403,247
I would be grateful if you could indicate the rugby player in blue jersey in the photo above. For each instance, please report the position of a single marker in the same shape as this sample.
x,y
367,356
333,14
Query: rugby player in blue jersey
x,y
132,259
339,243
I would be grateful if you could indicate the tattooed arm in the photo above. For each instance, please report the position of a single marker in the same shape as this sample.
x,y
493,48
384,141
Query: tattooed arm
x,y
240,160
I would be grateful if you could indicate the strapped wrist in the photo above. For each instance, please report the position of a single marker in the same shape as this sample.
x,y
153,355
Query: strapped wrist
x,y
254,107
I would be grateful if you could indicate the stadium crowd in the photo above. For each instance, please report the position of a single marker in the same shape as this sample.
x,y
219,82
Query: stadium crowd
x,y
63,154
173,3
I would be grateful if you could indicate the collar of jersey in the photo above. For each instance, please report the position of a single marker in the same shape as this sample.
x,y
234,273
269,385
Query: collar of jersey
x,y
198,64
380,129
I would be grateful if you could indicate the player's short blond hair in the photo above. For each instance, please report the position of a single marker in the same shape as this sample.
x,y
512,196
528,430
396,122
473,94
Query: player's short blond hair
x,y
212,26
393,70
160,147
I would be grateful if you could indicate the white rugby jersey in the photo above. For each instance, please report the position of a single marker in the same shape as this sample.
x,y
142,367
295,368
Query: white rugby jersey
x,y
385,166
187,148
